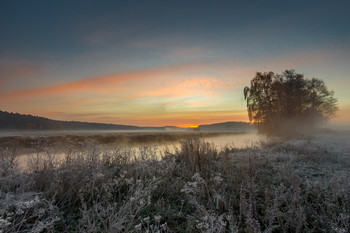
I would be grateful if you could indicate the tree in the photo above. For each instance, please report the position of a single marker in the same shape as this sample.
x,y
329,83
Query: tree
x,y
287,102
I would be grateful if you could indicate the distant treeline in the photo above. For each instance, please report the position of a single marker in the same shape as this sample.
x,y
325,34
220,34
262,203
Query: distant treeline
x,y
16,121
227,127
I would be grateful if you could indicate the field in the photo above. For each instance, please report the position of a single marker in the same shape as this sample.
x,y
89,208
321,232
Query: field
x,y
97,185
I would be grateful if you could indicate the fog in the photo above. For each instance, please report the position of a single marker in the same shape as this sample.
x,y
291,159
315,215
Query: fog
x,y
125,137
57,143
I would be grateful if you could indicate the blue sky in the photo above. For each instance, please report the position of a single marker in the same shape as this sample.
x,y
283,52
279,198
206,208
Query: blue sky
x,y
163,62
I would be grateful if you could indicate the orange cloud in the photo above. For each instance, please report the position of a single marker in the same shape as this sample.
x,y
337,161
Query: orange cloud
x,y
106,83
173,118
192,118
193,93
176,118
91,84
190,86
228,73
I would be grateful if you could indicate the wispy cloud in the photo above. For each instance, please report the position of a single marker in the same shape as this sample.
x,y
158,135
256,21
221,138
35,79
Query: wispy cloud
x,y
189,93
13,69
107,84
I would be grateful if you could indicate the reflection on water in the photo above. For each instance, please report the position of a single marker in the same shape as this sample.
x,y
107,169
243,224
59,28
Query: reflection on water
x,y
138,143
237,140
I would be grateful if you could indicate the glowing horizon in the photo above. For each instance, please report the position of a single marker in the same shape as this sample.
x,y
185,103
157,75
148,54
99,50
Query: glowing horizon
x,y
188,126
168,65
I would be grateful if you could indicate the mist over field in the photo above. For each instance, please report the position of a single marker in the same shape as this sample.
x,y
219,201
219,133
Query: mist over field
x,y
174,181
175,116
284,171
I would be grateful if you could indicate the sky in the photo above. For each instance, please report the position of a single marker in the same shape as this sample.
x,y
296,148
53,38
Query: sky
x,y
159,63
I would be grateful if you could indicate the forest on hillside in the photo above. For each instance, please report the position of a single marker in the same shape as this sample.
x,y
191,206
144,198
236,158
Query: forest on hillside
x,y
16,121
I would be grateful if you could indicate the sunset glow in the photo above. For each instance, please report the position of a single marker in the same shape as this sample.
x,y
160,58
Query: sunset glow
x,y
163,64
188,126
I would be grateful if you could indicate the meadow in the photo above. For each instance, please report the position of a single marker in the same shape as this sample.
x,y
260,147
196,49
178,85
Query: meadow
x,y
99,184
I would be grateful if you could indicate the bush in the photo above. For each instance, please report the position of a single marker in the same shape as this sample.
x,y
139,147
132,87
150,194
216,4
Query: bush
x,y
277,187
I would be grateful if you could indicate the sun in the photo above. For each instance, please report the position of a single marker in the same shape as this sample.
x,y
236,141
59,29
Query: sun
x,y
188,126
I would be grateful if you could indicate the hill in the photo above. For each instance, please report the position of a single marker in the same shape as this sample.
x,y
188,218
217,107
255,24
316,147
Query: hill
x,y
16,121
230,126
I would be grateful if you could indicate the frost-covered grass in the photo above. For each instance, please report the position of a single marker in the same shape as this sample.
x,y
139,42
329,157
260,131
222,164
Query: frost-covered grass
x,y
294,186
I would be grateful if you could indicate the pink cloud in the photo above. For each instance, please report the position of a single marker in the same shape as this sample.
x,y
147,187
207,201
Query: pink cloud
x,y
94,98
17,69
107,84
225,74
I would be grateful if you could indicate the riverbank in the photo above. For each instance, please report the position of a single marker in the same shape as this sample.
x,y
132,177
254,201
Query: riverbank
x,y
300,185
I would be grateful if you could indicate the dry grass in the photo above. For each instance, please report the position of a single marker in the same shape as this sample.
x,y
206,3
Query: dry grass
x,y
277,187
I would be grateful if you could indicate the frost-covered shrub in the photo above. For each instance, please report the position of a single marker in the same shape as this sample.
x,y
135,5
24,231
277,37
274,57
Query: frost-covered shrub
x,y
198,155
28,212
277,187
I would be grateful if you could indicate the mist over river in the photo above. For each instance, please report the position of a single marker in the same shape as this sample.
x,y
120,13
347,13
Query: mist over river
x,y
56,144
